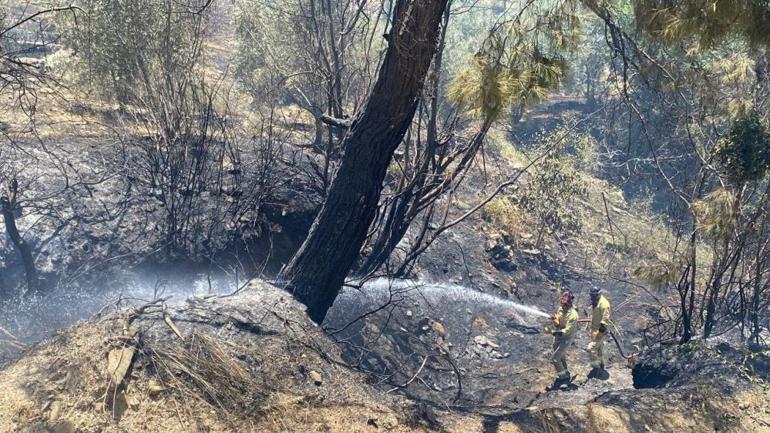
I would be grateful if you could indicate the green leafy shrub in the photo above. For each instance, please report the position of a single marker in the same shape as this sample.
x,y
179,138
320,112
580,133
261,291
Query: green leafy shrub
x,y
554,188
744,152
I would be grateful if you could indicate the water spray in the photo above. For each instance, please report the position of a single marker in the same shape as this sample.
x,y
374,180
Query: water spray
x,y
528,310
452,292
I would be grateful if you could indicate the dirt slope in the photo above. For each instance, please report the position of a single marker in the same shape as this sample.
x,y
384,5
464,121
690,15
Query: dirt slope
x,y
248,363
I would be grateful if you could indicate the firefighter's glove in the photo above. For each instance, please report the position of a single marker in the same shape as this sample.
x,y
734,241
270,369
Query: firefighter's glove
x,y
548,330
558,333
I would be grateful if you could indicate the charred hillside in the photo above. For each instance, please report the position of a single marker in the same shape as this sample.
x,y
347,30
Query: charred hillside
x,y
405,215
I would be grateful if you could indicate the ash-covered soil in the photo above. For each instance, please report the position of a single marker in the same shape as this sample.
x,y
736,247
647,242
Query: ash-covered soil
x,y
253,362
452,347
460,351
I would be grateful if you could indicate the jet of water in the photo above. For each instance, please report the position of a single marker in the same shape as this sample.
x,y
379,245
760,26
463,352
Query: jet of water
x,y
383,287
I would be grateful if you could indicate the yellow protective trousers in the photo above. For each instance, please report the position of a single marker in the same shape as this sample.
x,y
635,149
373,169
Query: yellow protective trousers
x,y
559,357
596,350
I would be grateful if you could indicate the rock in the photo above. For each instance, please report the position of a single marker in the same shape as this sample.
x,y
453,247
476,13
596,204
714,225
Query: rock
x,y
759,364
429,324
55,411
409,313
725,348
316,377
438,327
504,264
118,363
484,341
479,322
154,388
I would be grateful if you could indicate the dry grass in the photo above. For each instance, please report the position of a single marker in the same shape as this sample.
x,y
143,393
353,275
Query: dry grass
x,y
498,144
58,113
217,378
614,229
503,215
198,367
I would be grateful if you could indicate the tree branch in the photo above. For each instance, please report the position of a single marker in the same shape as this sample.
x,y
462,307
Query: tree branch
x,y
333,121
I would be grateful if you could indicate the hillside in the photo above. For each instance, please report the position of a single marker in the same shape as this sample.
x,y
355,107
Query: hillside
x,y
443,352
360,216
447,352
250,362
253,362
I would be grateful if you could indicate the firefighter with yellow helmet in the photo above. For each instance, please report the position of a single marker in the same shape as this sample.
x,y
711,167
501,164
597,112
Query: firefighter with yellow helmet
x,y
600,322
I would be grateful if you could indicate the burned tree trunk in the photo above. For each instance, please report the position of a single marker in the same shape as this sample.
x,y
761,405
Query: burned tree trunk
x,y
318,270
25,252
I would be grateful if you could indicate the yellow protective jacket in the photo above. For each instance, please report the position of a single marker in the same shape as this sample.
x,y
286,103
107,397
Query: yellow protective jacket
x,y
600,314
565,322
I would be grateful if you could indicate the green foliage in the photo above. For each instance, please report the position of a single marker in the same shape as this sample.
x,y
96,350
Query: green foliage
x,y
744,152
298,52
660,274
735,72
518,63
121,43
487,87
266,51
708,21
554,188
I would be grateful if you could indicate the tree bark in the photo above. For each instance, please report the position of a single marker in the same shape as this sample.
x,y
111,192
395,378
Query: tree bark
x,y
318,270
25,252
402,210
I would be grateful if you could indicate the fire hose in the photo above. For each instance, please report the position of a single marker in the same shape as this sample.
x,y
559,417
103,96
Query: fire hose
x,y
630,357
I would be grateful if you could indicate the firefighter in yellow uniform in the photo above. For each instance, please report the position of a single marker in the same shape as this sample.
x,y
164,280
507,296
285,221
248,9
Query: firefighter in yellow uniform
x,y
563,331
600,322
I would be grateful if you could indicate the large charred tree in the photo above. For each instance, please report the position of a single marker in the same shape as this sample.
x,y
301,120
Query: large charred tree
x,y
318,270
